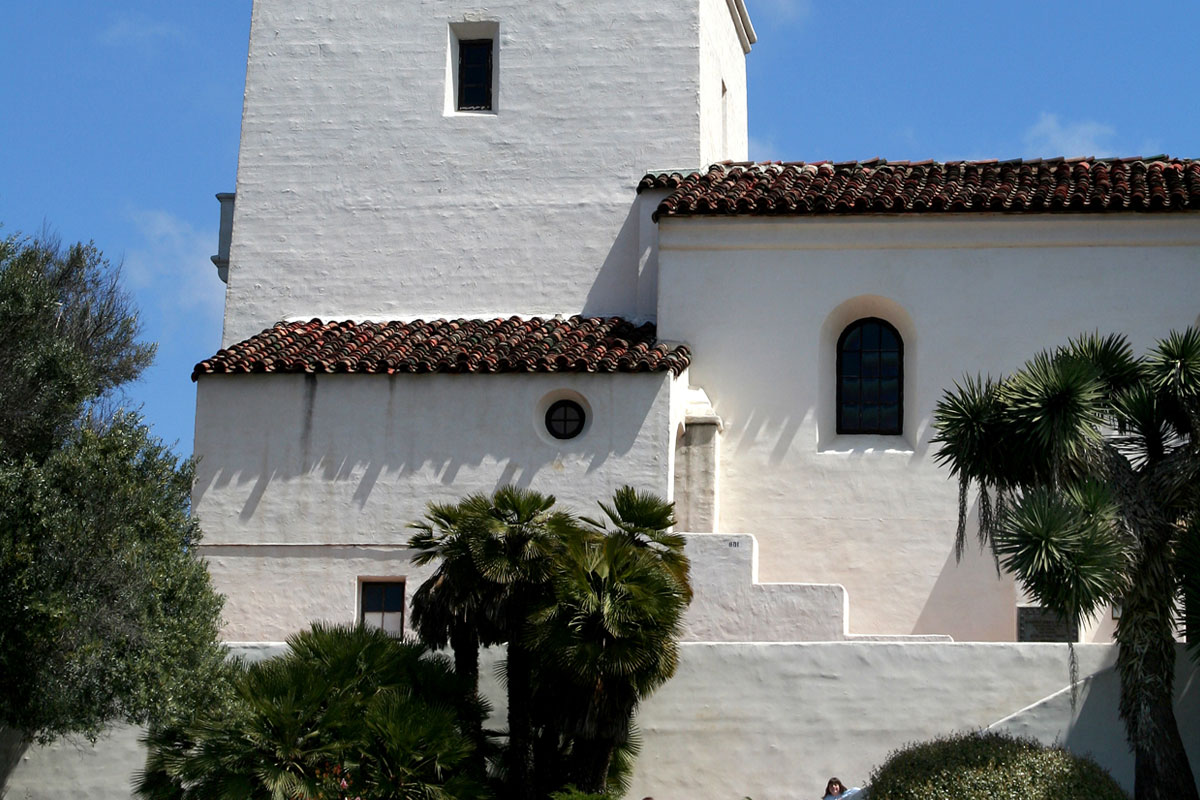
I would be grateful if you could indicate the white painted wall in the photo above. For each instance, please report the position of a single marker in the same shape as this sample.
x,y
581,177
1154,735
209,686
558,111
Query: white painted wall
x,y
761,302
359,196
349,460
275,591
729,604
723,124
773,721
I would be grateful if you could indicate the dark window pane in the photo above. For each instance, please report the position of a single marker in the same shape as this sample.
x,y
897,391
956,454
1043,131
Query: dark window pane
x,y
870,365
870,377
475,75
477,53
870,340
870,391
372,597
393,597
889,392
889,364
565,419
850,418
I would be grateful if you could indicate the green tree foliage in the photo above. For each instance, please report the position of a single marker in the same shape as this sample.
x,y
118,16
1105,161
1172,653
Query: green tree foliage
x,y
1088,469
990,766
68,338
589,613
347,712
106,613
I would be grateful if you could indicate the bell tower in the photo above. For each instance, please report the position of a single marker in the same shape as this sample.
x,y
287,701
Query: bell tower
x,y
427,158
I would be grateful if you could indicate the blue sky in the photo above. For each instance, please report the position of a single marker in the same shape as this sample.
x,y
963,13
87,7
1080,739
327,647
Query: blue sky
x,y
119,120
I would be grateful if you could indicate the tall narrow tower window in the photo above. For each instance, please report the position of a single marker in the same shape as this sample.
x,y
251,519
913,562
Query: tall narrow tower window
x,y
475,75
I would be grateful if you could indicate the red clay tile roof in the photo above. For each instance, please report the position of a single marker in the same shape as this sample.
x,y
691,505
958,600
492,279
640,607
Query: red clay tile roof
x,y
578,344
901,187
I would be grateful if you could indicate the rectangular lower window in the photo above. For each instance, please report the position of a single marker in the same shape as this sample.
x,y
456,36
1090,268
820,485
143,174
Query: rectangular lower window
x,y
475,75
1038,624
382,605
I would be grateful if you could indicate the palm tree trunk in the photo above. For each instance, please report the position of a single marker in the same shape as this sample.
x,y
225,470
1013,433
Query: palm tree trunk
x,y
464,641
1161,768
593,757
520,766
1146,666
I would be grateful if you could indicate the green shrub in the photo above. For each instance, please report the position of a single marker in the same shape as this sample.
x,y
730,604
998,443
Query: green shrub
x,y
990,766
572,793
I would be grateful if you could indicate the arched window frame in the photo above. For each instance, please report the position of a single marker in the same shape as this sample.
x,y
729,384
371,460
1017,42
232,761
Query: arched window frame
x,y
842,427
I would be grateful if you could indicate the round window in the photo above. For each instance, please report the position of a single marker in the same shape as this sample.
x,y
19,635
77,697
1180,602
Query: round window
x,y
565,419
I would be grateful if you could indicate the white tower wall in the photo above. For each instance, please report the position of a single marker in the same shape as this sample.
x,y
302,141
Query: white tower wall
x,y
361,193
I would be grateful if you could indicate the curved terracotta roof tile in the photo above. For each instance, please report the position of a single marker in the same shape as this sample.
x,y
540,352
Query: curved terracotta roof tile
x,y
473,346
1055,185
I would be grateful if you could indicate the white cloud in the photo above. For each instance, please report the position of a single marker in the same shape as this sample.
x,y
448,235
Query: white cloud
x,y
171,268
1049,137
138,31
790,11
763,149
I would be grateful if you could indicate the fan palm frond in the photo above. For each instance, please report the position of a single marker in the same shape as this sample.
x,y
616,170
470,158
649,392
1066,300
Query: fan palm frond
x,y
344,704
645,519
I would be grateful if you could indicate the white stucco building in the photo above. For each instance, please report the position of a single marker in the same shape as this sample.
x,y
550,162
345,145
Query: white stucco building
x,y
475,245
440,162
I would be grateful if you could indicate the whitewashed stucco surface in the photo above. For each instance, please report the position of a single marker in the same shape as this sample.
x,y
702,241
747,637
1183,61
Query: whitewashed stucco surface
x,y
290,466
774,721
724,132
731,605
352,459
761,302
359,196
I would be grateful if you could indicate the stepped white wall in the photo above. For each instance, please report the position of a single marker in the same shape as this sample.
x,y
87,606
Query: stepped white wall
x,y
774,721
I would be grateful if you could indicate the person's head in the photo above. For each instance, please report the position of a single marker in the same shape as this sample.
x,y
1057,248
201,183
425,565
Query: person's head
x,y
834,786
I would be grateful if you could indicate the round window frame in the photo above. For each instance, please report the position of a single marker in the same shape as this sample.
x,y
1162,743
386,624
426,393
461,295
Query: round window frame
x,y
578,426
537,419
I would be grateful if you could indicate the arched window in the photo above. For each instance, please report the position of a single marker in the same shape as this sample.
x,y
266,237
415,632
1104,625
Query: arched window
x,y
870,378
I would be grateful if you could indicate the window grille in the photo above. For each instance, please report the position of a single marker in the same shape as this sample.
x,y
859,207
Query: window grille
x,y
870,378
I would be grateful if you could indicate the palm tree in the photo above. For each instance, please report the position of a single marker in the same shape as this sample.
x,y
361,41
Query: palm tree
x,y
1088,472
645,519
347,711
500,549
456,606
607,637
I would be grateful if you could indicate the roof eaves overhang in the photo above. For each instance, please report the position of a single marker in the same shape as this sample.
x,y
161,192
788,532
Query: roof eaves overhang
x,y
741,21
